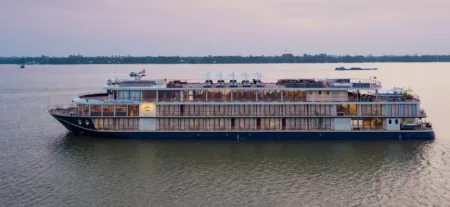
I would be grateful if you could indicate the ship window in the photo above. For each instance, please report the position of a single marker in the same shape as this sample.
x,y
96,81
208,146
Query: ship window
x,y
390,121
133,110
328,92
79,122
320,93
108,110
96,110
121,110
87,123
396,121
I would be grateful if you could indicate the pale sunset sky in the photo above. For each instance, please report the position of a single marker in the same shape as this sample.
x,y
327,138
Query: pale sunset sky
x,y
223,27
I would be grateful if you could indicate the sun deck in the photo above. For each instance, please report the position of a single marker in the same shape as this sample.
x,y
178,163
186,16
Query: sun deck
x,y
284,84
308,84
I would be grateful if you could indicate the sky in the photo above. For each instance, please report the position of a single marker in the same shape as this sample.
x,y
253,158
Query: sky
x,y
223,27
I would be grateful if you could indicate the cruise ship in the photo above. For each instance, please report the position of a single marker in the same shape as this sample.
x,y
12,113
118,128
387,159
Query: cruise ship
x,y
246,109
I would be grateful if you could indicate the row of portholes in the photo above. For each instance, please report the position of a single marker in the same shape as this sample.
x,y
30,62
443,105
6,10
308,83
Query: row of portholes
x,y
320,92
80,122
390,121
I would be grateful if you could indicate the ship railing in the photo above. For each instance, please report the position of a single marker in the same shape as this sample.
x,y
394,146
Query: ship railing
x,y
322,128
134,83
117,81
274,114
249,128
266,114
63,106
362,128
396,98
270,83
413,97
67,110
256,100
426,126
133,127
287,100
423,113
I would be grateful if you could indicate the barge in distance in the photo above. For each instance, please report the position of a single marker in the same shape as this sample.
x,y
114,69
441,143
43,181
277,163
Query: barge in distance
x,y
355,68
246,109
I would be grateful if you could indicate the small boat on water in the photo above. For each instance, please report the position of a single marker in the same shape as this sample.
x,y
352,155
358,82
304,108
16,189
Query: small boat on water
x,y
355,68
22,66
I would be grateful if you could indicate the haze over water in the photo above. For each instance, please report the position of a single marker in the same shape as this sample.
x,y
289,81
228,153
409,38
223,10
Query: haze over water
x,y
42,165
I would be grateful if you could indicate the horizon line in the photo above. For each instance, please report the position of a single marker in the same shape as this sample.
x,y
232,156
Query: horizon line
x,y
295,55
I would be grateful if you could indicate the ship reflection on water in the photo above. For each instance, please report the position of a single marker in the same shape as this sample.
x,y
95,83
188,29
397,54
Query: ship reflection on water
x,y
233,155
175,169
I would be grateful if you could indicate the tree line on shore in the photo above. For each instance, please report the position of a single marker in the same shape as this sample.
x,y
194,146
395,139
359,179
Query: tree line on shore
x,y
285,58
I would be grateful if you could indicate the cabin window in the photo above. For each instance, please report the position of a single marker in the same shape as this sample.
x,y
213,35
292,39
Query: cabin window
x,y
328,92
79,122
85,110
121,110
135,95
169,95
123,95
80,109
149,95
108,110
133,110
120,95
195,95
219,96
266,95
294,95
320,93
390,121
96,110
396,121
87,122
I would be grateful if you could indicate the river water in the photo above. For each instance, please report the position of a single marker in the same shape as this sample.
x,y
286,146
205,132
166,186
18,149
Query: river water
x,y
43,165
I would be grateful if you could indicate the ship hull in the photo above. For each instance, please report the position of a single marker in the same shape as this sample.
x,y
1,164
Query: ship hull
x,y
71,125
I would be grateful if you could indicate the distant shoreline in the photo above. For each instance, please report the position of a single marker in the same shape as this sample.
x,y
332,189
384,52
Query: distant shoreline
x,y
285,58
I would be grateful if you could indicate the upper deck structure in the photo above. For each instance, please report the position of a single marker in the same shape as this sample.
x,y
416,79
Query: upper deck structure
x,y
306,84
